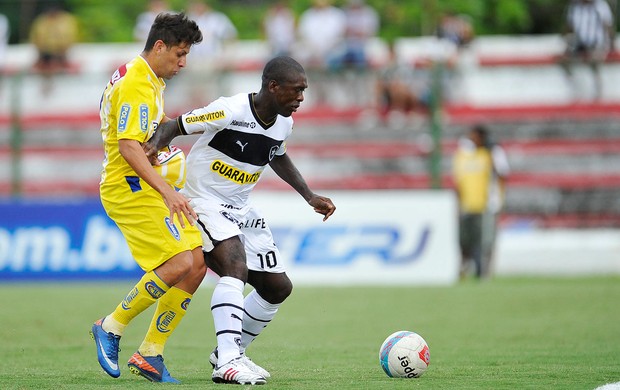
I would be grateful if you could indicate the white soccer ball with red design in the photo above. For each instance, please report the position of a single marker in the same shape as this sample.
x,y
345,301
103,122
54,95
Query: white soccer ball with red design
x,y
404,354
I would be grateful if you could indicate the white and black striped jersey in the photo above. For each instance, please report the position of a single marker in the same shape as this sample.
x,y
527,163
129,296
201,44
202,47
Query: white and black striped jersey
x,y
235,146
589,22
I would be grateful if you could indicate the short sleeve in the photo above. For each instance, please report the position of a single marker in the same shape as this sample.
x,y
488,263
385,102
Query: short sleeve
x,y
136,111
500,161
213,117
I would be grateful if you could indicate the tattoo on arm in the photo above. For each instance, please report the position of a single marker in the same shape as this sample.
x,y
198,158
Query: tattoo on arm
x,y
165,133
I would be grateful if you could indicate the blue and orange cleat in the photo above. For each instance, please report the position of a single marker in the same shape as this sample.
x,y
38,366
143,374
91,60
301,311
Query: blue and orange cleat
x,y
151,368
107,349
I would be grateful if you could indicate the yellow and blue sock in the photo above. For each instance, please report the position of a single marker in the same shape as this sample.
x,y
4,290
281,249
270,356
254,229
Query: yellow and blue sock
x,y
140,297
171,308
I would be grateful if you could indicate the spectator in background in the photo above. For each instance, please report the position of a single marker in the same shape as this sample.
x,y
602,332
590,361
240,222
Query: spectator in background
x,y
456,33
480,169
362,25
456,29
209,56
146,19
53,33
279,29
217,31
399,90
4,42
321,31
4,39
589,34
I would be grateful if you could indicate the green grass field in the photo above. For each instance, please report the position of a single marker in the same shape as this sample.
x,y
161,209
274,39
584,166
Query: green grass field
x,y
500,334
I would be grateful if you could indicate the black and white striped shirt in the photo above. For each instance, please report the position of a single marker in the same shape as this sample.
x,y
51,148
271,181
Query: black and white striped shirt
x,y
589,21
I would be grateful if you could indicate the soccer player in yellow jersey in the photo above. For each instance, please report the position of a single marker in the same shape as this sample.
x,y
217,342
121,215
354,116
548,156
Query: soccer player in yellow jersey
x,y
156,221
480,170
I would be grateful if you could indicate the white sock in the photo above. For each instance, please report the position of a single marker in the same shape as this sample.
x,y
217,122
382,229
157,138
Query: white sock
x,y
227,310
256,316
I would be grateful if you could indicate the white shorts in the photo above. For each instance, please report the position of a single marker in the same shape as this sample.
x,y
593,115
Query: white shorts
x,y
218,222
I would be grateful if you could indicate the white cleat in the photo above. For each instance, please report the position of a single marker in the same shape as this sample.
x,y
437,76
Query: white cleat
x,y
236,372
246,360
255,367
213,358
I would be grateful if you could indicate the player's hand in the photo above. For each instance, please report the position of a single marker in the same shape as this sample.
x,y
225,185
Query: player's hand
x,y
178,204
151,153
322,205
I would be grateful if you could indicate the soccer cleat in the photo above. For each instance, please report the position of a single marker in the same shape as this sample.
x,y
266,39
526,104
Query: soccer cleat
x,y
213,358
245,360
151,368
255,367
107,349
236,372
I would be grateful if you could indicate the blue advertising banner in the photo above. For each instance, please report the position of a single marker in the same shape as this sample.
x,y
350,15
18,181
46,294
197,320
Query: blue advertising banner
x,y
62,239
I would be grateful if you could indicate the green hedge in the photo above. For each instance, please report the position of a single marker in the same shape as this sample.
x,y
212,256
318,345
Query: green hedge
x,y
113,21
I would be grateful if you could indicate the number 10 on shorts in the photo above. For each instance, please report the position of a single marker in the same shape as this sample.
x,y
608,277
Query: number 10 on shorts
x,y
267,260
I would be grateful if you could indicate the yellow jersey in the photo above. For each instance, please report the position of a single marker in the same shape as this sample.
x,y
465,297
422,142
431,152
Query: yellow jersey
x,y
473,174
132,106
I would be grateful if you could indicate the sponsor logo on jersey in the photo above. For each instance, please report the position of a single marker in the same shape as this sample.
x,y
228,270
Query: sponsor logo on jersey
x,y
153,289
241,145
233,174
173,229
229,217
255,223
164,320
185,303
123,118
209,116
144,117
132,294
245,124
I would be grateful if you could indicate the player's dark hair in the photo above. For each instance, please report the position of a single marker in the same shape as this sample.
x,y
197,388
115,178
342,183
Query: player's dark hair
x,y
483,133
173,29
281,69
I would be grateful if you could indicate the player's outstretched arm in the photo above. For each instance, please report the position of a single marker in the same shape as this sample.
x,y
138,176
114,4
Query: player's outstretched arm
x,y
286,170
165,133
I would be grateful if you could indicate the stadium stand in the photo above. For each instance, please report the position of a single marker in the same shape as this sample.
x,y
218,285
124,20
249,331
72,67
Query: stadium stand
x,y
562,151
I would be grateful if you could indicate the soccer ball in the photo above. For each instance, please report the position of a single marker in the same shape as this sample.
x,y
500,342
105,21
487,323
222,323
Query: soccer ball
x,y
404,354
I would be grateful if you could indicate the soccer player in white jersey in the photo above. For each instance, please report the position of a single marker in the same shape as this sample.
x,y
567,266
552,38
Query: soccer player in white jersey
x,y
241,135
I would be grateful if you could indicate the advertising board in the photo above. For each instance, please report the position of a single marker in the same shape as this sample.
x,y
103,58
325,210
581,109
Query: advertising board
x,y
375,237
